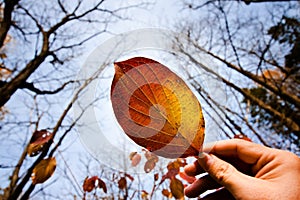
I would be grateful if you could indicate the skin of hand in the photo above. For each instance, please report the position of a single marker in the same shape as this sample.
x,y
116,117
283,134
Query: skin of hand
x,y
247,171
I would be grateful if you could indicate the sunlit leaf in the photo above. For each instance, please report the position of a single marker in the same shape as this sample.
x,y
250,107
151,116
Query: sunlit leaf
x,y
144,194
43,170
156,109
5,73
38,141
273,74
177,188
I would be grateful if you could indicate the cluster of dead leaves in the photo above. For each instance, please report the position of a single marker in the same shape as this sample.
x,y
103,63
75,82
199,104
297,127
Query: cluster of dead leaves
x,y
46,167
151,160
92,183
176,177
174,174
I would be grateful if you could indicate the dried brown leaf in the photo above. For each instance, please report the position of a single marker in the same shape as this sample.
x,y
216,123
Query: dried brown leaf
x,y
122,183
38,141
177,188
43,170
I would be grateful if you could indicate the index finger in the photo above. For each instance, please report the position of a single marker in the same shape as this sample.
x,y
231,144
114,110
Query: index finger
x,y
246,151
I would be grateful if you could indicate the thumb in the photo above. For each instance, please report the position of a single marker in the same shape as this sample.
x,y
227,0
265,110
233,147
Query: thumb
x,y
223,172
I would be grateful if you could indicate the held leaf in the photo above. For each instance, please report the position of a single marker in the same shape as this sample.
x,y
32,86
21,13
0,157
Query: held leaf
x,y
156,109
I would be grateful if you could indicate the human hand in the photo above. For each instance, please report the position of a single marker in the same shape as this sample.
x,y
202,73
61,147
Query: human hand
x,y
247,171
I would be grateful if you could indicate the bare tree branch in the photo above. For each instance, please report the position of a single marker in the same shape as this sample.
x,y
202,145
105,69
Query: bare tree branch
x,y
260,80
6,22
289,122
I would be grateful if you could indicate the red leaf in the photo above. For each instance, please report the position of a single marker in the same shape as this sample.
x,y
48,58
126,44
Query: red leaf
x,y
174,168
122,183
169,175
156,176
189,179
156,109
90,184
129,176
38,141
102,185
166,193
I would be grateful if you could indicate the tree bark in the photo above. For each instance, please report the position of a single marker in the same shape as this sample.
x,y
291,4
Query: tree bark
x,y
9,88
6,22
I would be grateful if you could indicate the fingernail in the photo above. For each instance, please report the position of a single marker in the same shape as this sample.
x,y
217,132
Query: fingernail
x,y
205,160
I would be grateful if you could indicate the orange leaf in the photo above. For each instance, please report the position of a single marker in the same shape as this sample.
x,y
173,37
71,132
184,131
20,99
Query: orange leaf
x,y
91,183
144,194
166,193
43,170
174,168
189,179
156,109
5,73
156,176
177,188
38,141
122,183
273,74
176,164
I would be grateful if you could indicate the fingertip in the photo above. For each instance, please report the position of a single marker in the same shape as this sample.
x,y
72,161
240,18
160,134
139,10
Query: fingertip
x,y
193,169
205,161
190,191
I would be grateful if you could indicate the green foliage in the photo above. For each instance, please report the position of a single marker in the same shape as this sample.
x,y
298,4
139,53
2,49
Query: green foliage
x,y
287,31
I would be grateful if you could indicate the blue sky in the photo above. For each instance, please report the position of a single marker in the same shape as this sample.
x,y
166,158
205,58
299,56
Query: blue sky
x,y
159,14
